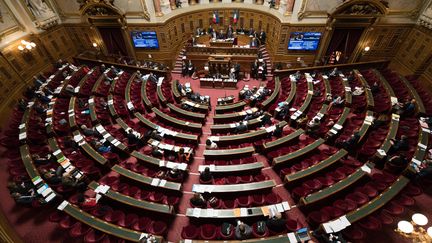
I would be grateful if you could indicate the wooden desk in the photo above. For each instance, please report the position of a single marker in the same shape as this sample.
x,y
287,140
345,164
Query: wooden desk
x,y
272,239
145,179
235,116
141,204
71,113
379,201
348,94
98,81
161,97
369,95
317,167
253,186
187,114
394,125
108,228
228,153
238,106
223,128
228,213
177,135
155,161
196,106
273,97
223,43
232,168
92,109
128,91
111,108
113,141
365,126
244,137
334,131
175,91
286,158
331,190
185,125
144,96
90,150
283,140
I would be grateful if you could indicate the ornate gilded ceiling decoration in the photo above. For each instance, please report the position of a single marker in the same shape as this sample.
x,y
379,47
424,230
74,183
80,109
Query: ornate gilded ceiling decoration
x,y
370,8
98,8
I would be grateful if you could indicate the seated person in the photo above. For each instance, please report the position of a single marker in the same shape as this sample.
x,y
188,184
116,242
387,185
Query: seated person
x,y
155,135
88,132
243,231
226,228
381,120
152,78
25,199
358,91
277,132
314,125
69,181
184,157
198,200
409,107
52,176
241,127
316,92
87,203
398,145
337,101
175,173
266,119
133,140
398,160
210,144
101,148
43,160
375,87
156,152
276,223
352,141
206,175
334,72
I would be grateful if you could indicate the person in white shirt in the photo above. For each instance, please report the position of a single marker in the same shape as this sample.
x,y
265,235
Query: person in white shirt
x,y
210,144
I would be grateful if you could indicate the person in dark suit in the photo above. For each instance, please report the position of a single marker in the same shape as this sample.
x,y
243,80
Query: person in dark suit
x,y
276,223
197,200
262,37
206,175
230,32
133,140
191,68
264,71
253,42
152,78
240,30
254,69
210,30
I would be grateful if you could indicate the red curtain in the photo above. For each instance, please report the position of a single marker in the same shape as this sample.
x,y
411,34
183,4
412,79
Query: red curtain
x,y
113,39
345,41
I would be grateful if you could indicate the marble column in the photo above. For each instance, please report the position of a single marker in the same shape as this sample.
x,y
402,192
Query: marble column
x,y
157,6
192,2
260,2
204,2
289,7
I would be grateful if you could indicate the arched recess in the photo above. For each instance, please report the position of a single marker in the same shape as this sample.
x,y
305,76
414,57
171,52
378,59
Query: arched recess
x,y
110,23
348,25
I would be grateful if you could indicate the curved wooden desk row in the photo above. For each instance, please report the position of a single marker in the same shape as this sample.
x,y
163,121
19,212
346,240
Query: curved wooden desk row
x,y
394,125
237,212
232,168
116,143
386,85
244,187
156,182
202,108
317,167
234,116
220,128
366,125
348,93
292,93
128,88
71,113
237,106
175,91
379,201
338,126
176,135
369,96
228,153
190,126
274,96
306,102
338,186
273,239
420,105
108,228
187,114
245,137
283,140
161,96
288,157
119,197
97,84
144,96
89,149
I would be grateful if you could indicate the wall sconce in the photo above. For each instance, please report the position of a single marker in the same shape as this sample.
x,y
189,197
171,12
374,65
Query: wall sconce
x,y
414,230
366,49
26,46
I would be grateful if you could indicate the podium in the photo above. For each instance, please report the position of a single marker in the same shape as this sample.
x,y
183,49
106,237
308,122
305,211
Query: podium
x,y
219,63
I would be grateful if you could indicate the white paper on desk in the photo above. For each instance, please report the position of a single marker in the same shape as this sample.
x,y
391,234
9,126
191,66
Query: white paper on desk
x,y
280,208
325,76
426,130
77,89
416,161
310,92
333,131
115,142
182,166
270,129
37,181
348,89
42,188
104,189
320,115
327,228
292,109
143,235
197,212
292,237
62,205
110,102
57,152
366,169
169,146
46,192
393,100
155,143
21,126
162,164
209,189
212,167
162,183
286,206
50,197
381,152
243,212
369,118
395,117
155,182
214,138
422,146
22,136
337,126
210,212
367,123
106,135
344,221
130,105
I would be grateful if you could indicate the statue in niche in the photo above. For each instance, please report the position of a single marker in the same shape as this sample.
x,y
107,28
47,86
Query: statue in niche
x,y
39,8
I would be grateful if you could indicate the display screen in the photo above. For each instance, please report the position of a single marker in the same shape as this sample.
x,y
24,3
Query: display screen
x,y
145,39
304,41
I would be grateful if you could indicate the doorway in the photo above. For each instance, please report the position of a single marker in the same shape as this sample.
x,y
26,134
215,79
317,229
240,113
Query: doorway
x,y
342,45
113,40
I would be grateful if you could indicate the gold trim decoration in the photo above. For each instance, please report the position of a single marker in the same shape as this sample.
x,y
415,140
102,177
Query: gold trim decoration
x,y
362,8
17,27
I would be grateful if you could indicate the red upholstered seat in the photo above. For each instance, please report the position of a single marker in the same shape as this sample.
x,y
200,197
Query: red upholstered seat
x,y
394,208
209,231
190,232
346,205
128,221
79,230
228,203
158,228
243,201
313,185
405,200
67,222
385,218
142,224
358,197
333,212
368,190
114,216
370,223
257,199
257,234
317,217
354,233
292,225
94,236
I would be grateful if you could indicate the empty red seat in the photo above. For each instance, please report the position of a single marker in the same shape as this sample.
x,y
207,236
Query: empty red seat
x,y
228,203
271,198
128,221
243,201
94,236
405,200
358,197
333,212
354,233
317,217
346,205
209,232
385,218
114,216
79,230
158,228
368,190
67,222
313,185
394,208
292,225
142,224
370,223
258,199
190,232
